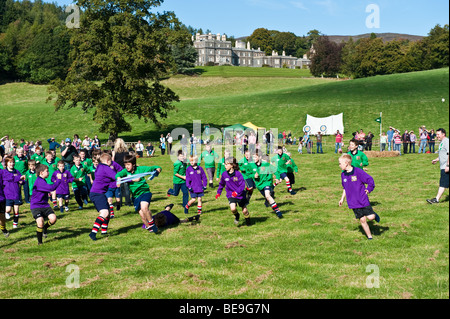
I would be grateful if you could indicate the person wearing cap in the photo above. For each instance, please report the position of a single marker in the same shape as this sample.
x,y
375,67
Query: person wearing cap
x,y
67,153
53,145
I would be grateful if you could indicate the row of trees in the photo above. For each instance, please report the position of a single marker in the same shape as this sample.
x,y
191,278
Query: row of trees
x,y
372,56
35,43
291,44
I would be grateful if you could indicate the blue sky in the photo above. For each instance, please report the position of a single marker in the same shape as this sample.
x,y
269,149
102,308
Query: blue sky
x,y
330,17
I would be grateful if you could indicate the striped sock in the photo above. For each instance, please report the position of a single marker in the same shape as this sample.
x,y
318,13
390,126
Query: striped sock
x,y
111,210
275,207
199,209
187,206
55,204
97,224
151,223
288,184
105,226
16,219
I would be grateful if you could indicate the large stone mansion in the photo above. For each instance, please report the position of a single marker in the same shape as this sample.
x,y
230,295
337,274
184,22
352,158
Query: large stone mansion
x,y
215,49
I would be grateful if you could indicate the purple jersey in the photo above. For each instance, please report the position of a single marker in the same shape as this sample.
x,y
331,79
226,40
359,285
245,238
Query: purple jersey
x,y
66,179
233,183
116,168
39,196
196,179
11,184
2,194
104,176
354,184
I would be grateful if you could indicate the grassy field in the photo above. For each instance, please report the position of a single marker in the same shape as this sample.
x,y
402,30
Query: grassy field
x,y
317,251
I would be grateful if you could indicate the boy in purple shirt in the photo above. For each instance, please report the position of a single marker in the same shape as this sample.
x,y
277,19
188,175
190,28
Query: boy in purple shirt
x,y
12,179
2,206
39,205
104,175
63,192
234,184
196,183
354,181
114,191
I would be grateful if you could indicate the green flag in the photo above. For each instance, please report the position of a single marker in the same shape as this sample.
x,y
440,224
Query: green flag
x,y
378,120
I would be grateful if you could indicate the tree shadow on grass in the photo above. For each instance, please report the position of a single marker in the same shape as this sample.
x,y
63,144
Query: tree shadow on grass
x,y
154,135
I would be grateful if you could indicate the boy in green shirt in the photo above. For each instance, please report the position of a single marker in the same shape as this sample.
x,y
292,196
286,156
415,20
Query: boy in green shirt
x,y
210,157
31,176
79,182
140,190
179,180
38,156
21,164
247,172
359,159
263,176
281,160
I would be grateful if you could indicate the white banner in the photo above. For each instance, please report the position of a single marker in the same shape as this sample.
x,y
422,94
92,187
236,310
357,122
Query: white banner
x,y
327,125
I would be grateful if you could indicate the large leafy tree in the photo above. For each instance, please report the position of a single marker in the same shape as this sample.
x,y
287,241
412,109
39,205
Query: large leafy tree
x,y
120,55
327,58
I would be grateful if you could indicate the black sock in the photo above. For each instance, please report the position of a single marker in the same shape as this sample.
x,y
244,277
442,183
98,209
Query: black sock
x,y
39,235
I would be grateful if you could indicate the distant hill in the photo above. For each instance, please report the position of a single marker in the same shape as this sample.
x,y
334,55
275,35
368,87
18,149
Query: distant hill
x,y
385,36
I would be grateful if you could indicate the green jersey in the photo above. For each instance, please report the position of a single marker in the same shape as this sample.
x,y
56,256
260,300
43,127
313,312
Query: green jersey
x,y
180,169
38,158
265,174
246,168
220,168
359,159
90,170
280,162
31,178
140,187
78,172
210,159
292,167
52,167
87,162
21,164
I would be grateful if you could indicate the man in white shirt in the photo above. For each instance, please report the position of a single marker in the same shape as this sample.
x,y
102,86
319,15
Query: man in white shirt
x,y
140,149
441,135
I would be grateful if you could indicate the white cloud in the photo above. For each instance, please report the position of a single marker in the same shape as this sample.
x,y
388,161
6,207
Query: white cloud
x,y
299,5
329,5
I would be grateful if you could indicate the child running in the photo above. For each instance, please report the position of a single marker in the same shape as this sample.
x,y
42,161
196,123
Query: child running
x,y
140,191
196,183
179,180
210,157
281,160
2,206
247,172
359,159
104,175
62,191
263,177
354,181
50,162
12,179
234,184
40,209
79,187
